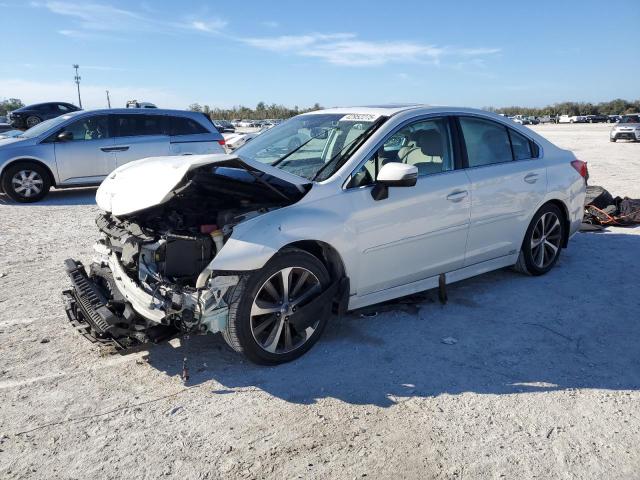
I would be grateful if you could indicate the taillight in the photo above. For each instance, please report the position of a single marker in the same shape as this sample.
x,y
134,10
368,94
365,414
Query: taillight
x,y
581,168
222,142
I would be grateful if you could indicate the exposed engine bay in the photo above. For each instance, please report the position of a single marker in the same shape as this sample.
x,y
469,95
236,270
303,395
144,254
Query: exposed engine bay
x,y
160,257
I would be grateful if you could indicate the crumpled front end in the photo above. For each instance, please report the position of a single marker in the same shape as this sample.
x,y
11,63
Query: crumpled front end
x,y
153,275
146,286
110,308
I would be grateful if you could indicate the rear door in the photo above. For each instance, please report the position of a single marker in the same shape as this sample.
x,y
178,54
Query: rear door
x,y
507,183
88,157
139,136
188,136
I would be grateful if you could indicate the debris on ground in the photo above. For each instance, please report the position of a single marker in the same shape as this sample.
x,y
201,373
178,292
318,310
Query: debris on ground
x,y
449,340
602,210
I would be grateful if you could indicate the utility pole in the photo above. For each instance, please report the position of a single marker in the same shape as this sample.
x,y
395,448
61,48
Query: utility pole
x,y
108,99
77,80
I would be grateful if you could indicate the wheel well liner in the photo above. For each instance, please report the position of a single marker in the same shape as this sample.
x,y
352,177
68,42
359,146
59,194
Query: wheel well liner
x,y
52,179
332,260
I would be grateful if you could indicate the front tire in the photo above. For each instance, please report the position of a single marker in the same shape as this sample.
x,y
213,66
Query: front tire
x,y
26,182
543,241
32,121
612,139
262,304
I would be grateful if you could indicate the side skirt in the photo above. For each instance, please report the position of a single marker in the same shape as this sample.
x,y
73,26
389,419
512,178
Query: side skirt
x,y
432,282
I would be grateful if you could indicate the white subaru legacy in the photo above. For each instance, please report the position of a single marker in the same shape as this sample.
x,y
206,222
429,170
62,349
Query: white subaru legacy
x,y
329,211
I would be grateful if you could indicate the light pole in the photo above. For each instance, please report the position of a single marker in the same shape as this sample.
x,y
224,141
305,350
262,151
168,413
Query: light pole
x,y
77,79
108,99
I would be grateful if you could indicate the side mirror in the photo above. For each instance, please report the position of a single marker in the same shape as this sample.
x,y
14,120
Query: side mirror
x,y
394,174
65,136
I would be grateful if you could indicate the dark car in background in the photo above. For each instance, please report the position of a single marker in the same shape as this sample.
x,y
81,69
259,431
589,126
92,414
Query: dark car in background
x,y
31,115
597,118
224,126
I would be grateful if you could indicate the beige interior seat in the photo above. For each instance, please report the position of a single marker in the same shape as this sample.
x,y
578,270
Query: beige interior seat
x,y
426,152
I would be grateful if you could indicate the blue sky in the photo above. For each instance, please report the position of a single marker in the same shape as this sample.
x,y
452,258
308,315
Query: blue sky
x,y
471,53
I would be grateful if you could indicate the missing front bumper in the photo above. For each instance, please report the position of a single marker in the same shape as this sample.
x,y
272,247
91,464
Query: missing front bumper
x,y
97,310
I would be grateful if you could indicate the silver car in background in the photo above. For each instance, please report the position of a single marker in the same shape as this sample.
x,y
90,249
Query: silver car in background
x,y
628,128
82,148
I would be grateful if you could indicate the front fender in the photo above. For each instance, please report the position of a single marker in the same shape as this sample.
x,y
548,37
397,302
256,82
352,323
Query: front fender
x,y
253,243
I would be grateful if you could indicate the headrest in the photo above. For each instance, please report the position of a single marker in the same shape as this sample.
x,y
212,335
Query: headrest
x,y
430,142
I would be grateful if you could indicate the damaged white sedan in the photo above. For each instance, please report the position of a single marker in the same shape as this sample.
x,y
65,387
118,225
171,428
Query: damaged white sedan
x,y
372,204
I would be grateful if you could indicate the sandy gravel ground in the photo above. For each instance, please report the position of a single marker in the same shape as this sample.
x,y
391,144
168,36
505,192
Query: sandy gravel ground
x,y
543,381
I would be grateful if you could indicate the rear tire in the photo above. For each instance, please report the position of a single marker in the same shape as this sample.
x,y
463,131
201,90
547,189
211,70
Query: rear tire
x,y
268,338
542,242
26,182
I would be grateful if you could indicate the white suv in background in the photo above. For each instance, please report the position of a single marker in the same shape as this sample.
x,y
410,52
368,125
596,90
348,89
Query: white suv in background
x,y
572,119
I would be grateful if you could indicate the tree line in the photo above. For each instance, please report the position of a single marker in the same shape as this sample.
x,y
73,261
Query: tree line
x,y
614,107
262,110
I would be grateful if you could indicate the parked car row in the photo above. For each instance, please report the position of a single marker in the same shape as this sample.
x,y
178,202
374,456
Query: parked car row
x,y
532,120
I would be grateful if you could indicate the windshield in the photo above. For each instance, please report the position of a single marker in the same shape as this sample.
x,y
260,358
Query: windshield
x,y
630,119
306,144
46,125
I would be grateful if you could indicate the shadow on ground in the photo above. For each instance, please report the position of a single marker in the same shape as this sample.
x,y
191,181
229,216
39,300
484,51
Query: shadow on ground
x,y
576,327
71,196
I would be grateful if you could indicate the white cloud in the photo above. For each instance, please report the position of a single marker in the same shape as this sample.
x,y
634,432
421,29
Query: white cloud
x,y
93,96
346,49
92,20
208,26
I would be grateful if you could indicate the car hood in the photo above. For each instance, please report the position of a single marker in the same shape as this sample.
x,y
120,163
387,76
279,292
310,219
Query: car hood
x,y
627,125
152,181
14,142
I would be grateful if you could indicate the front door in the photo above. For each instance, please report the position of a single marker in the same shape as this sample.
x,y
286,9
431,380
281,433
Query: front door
x,y
417,232
87,157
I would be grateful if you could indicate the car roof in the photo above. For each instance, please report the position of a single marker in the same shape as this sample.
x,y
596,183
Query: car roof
x,y
146,111
386,110
393,109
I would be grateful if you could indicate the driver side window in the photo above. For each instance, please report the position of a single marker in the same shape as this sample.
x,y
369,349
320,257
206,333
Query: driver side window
x,y
90,128
425,144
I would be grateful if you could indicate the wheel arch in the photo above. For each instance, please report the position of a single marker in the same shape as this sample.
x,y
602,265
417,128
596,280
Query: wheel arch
x,y
52,178
334,264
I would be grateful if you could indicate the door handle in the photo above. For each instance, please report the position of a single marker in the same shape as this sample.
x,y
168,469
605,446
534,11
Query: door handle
x,y
123,148
531,178
457,196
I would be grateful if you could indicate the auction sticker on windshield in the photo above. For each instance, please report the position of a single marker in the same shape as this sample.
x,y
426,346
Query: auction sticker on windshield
x,y
360,117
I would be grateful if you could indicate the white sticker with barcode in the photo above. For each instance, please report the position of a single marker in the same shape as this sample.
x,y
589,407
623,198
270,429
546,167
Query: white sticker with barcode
x,y
360,117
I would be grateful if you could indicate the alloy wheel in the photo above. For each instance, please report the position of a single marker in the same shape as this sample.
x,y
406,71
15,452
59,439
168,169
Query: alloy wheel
x,y
276,301
32,121
27,183
546,239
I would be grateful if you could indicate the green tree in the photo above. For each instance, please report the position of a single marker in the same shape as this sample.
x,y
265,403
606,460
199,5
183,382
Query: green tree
x,y
9,105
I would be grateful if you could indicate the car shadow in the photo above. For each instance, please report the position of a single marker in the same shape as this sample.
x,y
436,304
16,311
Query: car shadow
x,y
67,196
500,333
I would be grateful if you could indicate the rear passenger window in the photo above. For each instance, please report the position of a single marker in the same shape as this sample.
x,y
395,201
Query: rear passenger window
x,y
137,125
184,126
521,146
487,142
